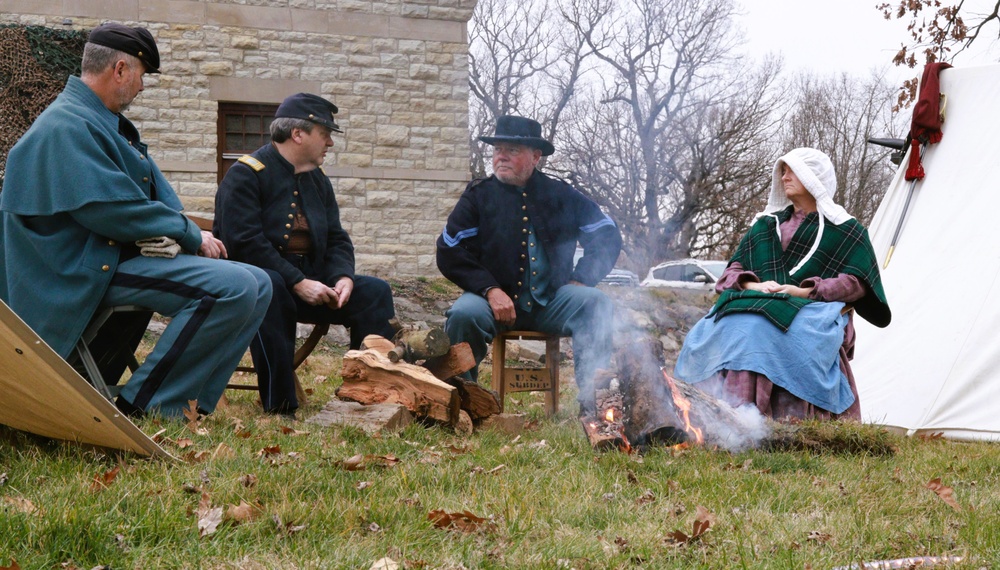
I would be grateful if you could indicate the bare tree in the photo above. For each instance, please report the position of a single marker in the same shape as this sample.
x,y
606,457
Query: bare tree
x,y
523,60
653,141
837,115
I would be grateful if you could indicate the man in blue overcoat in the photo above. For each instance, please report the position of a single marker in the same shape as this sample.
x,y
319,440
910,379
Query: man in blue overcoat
x,y
88,220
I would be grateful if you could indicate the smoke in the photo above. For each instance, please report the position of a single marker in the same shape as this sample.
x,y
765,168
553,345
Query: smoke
x,y
641,361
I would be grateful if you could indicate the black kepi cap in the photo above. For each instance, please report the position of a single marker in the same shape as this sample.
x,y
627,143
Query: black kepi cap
x,y
310,108
133,41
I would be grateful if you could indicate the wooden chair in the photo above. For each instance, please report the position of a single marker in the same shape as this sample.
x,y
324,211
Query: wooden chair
x,y
514,379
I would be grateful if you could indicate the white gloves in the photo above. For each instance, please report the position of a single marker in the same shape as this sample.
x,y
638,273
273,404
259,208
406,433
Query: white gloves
x,y
159,247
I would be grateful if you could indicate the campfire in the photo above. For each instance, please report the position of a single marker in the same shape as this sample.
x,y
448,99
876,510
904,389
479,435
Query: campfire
x,y
641,405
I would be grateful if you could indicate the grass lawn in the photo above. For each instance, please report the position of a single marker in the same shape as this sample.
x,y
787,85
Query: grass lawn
x,y
272,493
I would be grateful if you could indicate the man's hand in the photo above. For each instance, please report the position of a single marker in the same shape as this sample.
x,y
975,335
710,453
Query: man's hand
x,y
502,305
212,247
343,288
315,292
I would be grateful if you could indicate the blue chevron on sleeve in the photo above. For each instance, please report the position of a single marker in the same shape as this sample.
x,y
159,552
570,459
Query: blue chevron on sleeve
x,y
597,225
453,241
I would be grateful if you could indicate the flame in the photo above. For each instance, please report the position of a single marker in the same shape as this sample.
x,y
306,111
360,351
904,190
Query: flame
x,y
610,415
684,405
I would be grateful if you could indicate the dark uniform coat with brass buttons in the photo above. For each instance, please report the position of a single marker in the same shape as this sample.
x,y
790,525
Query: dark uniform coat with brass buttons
x,y
255,208
485,242
76,189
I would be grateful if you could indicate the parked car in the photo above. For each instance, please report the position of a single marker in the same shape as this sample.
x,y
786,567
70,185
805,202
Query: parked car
x,y
696,274
617,277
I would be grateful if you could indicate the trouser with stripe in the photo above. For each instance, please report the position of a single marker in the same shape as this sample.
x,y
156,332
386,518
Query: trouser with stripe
x,y
215,307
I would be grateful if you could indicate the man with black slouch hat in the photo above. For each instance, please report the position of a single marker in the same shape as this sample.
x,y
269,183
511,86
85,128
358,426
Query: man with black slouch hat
x,y
510,244
276,209
88,221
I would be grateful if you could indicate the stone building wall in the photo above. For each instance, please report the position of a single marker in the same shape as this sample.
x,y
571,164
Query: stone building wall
x,y
397,70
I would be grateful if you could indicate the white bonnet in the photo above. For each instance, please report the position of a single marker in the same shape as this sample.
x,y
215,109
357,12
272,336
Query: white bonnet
x,y
815,170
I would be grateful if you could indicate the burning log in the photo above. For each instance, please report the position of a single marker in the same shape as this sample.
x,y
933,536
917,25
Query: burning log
x,y
606,429
661,409
650,414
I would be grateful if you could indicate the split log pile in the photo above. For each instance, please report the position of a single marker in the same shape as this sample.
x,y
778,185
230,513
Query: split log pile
x,y
419,370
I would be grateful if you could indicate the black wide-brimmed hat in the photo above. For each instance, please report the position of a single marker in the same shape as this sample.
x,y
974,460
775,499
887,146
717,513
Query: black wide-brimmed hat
x,y
519,130
133,41
310,108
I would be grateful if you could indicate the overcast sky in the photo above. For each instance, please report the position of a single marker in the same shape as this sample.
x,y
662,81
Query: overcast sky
x,y
839,35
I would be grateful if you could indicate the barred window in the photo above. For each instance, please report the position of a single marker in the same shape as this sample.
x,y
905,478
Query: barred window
x,y
243,128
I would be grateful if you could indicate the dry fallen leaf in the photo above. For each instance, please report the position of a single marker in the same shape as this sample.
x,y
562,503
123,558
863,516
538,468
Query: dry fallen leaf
x,y
384,564
944,492
209,517
22,505
191,412
286,529
183,442
196,456
292,432
223,451
702,521
13,564
241,513
464,521
269,450
937,436
362,485
103,480
818,536
249,480
354,463
646,498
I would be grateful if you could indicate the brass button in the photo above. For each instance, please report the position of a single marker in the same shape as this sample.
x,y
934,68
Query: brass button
x,y
523,256
524,207
518,283
515,297
533,259
142,157
290,216
111,242
105,268
288,226
533,289
521,270
296,193
532,244
524,243
292,204
524,231
281,248
534,273
524,194
285,236
529,303
524,219
145,179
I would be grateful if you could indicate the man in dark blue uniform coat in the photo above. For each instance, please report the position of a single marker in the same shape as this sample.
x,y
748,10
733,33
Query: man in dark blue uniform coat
x,y
510,242
276,209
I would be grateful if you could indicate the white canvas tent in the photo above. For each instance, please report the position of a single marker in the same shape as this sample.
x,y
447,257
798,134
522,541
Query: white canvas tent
x,y
936,368
42,394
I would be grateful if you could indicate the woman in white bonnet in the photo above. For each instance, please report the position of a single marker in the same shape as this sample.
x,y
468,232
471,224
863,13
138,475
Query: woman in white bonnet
x,y
781,334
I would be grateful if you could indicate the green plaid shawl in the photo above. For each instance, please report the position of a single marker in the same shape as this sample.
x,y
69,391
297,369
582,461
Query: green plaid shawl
x,y
842,249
